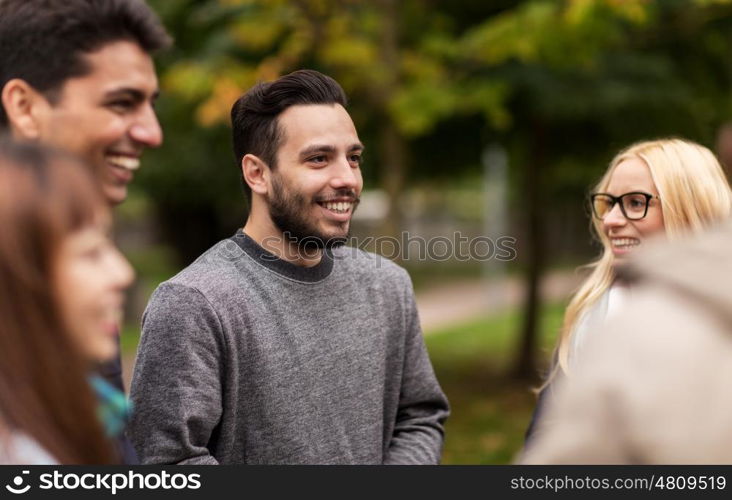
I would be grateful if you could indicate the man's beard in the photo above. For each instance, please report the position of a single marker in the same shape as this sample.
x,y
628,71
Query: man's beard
x,y
289,212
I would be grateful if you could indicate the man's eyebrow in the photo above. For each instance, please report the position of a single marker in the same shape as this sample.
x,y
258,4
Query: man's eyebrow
x,y
317,148
136,94
327,148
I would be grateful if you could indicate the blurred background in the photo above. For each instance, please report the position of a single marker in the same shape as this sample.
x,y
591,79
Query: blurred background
x,y
481,117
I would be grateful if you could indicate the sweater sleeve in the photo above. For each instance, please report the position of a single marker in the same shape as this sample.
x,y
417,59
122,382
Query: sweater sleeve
x,y
423,407
176,385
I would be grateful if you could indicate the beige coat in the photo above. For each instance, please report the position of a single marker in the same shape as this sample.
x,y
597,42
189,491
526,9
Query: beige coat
x,y
656,386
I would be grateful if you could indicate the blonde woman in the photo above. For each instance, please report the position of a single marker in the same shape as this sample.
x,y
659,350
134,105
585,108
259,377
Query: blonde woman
x,y
663,188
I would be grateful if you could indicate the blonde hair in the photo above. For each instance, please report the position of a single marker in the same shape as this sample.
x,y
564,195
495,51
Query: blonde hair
x,y
694,193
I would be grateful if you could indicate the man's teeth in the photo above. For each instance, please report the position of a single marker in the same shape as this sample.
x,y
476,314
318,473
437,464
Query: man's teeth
x,y
340,207
126,162
625,242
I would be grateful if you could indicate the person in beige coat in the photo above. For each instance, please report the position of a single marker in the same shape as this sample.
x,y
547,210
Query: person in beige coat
x,y
653,386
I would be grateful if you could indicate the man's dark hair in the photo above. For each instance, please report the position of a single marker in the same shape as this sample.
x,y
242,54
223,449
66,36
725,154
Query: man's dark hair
x,y
254,116
43,41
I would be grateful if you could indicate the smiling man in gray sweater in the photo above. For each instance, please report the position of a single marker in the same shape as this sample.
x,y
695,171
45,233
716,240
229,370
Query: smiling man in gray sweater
x,y
280,345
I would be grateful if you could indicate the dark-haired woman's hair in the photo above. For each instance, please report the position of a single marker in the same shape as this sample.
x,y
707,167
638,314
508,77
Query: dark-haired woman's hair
x,y
44,393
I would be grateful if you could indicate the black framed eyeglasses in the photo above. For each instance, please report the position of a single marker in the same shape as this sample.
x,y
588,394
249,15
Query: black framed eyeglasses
x,y
634,205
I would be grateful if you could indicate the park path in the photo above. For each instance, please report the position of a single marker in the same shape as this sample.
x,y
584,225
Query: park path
x,y
461,301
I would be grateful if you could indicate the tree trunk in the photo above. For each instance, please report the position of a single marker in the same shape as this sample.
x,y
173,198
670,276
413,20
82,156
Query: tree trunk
x,y
393,148
393,151
524,366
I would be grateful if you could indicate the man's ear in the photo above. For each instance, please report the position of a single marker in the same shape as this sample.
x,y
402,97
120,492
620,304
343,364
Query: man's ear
x,y
256,174
24,107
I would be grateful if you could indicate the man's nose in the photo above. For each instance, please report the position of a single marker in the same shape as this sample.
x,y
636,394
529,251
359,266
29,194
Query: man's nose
x,y
345,176
146,129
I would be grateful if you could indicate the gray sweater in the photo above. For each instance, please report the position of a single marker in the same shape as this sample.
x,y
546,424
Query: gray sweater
x,y
246,358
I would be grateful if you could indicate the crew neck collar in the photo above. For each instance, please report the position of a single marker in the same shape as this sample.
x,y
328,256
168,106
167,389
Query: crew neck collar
x,y
311,274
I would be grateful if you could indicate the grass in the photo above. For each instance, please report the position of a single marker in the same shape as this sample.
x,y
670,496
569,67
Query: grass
x,y
490,411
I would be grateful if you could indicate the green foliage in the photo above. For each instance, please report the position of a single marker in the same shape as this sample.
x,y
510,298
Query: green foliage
x,y
592,75
570,59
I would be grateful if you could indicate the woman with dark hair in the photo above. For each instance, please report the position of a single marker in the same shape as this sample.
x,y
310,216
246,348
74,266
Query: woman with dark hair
x,y
61,294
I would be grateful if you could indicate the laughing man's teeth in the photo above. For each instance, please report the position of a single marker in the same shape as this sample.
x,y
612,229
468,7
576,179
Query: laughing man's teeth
x,y
126,162
338,207
625,242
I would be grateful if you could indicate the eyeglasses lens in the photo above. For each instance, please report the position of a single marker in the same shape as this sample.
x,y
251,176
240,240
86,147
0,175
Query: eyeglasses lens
x,y
634,205
601,205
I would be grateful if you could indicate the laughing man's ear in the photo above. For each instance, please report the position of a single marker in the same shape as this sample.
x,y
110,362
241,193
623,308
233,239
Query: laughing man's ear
x,y
25,108
256,174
